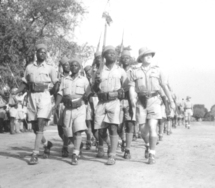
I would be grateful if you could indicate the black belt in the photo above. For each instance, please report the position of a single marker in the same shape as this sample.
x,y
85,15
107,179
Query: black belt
x,y
147,95
143,97
109,96
69,104
38,87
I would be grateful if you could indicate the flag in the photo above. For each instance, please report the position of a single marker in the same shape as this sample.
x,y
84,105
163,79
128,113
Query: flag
x,y
107,17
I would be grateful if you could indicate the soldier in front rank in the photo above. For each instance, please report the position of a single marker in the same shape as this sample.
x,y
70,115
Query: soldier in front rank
x,y
188,107
126,116
73,90
92,105
146,82
109,86
58,116
39,76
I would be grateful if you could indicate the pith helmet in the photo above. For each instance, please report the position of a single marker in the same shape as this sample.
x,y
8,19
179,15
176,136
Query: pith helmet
x,y
145,51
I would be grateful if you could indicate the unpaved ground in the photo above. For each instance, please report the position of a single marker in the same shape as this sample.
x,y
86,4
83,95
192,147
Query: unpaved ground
x,y
184,159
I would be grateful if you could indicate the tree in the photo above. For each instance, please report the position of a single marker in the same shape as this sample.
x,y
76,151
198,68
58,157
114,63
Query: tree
x,y
23,23
199,111
213,111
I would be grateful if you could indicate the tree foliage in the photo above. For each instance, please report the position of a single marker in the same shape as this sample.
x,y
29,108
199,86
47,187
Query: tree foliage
x,y
199,111
23,23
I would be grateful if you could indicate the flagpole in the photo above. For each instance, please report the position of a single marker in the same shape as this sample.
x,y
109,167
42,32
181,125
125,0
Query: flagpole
x,y
98,46
122,44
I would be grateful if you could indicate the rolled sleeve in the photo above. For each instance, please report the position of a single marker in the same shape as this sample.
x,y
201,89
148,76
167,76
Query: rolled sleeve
x,y
132,79
53,75
87,87
162,78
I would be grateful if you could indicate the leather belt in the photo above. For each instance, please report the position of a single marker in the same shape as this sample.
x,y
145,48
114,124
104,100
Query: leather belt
x,y
69,104
38,87
109,96
147,95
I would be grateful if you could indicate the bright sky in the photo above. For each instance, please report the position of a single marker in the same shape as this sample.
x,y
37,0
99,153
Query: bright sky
x,y
182,32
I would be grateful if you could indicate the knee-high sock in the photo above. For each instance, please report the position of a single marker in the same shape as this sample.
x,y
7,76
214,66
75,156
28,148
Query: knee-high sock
x,y
38,139
107,140
44,141
77,144
129,137
17,126
114,142
152,142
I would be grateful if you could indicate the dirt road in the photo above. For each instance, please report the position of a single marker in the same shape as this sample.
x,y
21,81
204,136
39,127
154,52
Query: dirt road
x,y
184,159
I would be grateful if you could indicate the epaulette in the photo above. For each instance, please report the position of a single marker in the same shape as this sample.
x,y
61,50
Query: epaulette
x,y
155,67
49,63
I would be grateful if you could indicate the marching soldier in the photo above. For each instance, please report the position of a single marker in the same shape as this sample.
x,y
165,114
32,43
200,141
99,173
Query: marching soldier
x,y
109,87
146,82
92,105
39,76
188,107
58,115
74,89
126,113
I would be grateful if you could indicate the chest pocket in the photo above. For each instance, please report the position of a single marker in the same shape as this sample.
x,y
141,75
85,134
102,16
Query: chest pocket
x,y
140,84
44,76
115,81
155,80
104,85
79,89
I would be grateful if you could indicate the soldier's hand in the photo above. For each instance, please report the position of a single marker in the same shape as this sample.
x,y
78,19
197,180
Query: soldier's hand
x,y
98,79
54,108
172,105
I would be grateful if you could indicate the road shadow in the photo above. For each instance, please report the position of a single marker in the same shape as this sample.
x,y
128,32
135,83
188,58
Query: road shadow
x,y
19,155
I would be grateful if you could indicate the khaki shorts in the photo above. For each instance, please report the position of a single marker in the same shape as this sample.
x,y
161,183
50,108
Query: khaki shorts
x,y
152,111
124,111
172,113
74,120
94,101
188,112
14,113
2,113
58,116
107,113
39,106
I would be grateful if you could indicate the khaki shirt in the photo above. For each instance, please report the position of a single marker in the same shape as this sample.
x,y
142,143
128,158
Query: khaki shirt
x,y
113,79
43,73
147,80
77,86
188,105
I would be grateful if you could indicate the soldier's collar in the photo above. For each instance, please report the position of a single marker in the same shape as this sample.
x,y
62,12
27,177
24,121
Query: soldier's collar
x,y
71,78
42,64
114,66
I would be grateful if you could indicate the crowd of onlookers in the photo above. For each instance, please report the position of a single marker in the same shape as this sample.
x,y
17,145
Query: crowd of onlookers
x,y
13,114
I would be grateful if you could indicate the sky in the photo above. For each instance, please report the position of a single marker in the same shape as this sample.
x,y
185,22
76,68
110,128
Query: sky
x,y
182,32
